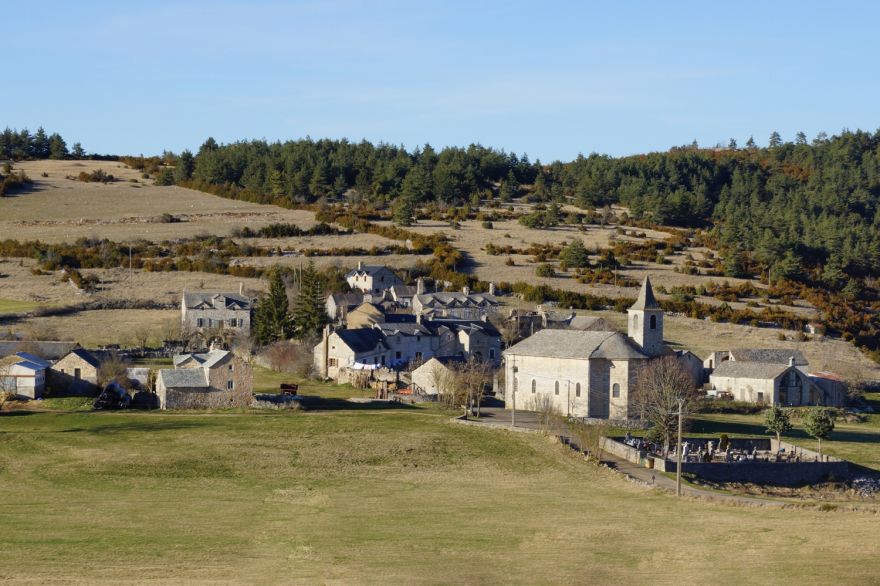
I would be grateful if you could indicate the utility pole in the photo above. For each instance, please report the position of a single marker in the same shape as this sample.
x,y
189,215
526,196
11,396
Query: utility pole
x,y
130,273
678,451
513,399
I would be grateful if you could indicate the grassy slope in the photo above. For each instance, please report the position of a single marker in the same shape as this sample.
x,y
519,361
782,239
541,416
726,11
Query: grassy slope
x,y
14,306
399,496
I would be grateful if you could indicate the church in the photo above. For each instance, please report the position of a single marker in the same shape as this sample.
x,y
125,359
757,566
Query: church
x,y
585,373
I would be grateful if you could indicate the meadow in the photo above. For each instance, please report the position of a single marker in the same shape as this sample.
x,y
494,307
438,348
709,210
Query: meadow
x,y
363,495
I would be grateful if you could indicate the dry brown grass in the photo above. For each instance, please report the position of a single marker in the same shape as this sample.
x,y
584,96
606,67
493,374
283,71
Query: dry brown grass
x,y
59,209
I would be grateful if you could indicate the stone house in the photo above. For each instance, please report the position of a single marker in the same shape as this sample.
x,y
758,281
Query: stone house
x,y
408,342
462,305
430,378
402,295
585,373
24,375
204,312
475,339
212,379
765,383
757,355
339,304
350,348
75,374
372,279
365,315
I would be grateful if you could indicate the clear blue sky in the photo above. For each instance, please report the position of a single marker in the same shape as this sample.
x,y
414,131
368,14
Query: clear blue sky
x,y
548,78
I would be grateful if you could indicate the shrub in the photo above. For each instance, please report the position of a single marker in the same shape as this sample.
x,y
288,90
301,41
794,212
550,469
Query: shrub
x,y
544,270
487,225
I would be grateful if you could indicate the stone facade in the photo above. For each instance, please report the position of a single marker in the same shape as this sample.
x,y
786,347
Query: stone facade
x,y
204,312
215,379
74,374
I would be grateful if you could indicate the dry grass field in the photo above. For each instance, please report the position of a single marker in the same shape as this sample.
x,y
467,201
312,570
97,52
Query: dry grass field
x,y
378,497
57,209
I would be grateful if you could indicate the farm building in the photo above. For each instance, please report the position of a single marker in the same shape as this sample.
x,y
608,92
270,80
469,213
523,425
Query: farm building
x,y
75,374
215,379
23,375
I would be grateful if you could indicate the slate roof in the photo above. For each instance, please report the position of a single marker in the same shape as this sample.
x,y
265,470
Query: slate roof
x,y
86,357
362,339
769,356
646,299
576,344
757,370
405,328
589,323
183,377
196,299
403,291
371,270
205,359
456,299
347,299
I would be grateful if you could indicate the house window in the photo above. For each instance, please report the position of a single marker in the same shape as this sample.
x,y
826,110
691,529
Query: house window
x,y
230,368
556,388
77,373
418,338
653,322
331,362
492,353
615,391
397,355
233,323
383,360
200,323
229,385
760,397
418,355
534,386
577,390
635,321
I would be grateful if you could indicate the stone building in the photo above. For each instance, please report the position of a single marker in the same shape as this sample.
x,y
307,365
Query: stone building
x,y
372,279
339,304
204,312
212,379
585,373
75,374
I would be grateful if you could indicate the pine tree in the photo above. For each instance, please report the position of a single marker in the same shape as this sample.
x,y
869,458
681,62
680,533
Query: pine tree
x,y
575,255
39,147
57,147
775,140
309,313
272,320
78,152
404,211
184,167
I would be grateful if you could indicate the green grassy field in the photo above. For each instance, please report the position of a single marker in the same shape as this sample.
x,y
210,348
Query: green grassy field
x,y
362,495
268,381
13,306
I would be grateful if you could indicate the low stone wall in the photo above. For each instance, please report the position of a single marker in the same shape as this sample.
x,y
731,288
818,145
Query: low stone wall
x,y
811,468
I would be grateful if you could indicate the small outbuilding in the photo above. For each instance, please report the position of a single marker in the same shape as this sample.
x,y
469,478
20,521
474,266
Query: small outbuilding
x,y
75,374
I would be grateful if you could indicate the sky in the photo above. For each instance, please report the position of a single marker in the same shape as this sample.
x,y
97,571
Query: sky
x,y
550,79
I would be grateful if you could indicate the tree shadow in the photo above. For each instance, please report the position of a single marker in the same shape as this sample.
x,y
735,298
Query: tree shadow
x,y
316,403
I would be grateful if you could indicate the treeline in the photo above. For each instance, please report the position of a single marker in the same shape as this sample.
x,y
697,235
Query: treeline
x,y
21,144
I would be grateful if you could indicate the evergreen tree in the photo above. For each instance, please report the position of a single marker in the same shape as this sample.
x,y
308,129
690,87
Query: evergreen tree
x,y
78,152
800,138
183,169
309,312
272,320
39,146
750,144
732,144
775,140
404,212
57,147
777,421
819,424
575,255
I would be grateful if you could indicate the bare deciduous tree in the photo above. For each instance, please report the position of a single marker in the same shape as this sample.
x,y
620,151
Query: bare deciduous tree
x,y
662,386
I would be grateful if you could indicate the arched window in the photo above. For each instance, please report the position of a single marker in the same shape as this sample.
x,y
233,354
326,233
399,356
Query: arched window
x,y
556,388
577,390
653,322
534,386
615,390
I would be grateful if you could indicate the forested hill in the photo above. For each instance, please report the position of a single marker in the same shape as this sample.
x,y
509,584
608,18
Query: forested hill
x,y
805,211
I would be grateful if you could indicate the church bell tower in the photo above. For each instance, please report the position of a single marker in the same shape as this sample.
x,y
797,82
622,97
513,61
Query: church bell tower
x,y
645,325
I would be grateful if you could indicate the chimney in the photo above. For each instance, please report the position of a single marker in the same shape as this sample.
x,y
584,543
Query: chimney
x,y
326,344
241,288
360,265
420,286
491,288
791,360
466,290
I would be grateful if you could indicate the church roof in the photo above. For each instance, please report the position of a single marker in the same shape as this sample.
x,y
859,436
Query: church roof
x,y
576,344
646,299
